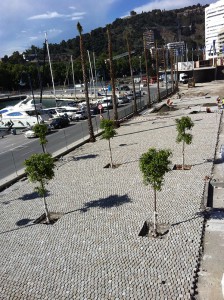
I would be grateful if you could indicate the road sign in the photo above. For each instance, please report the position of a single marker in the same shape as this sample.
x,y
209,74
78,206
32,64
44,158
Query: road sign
x,y
100,106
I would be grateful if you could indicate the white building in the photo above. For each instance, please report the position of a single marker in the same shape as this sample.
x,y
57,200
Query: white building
x,y
214,26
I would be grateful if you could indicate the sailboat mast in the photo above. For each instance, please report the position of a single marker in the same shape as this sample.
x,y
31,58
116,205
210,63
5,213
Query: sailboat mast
x,y
91,71
94,63
73,77
49,58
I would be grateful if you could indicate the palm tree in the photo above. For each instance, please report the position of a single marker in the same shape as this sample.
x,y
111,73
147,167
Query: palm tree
x,y
135,112
157,74
114,100
147,73
90,125
171,67
165,68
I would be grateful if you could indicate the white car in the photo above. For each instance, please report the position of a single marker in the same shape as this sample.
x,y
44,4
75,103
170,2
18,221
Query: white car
x,y
79,115
31,134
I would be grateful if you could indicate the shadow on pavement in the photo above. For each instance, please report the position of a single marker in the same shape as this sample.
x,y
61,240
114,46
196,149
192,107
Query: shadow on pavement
x,y
32,196
111,201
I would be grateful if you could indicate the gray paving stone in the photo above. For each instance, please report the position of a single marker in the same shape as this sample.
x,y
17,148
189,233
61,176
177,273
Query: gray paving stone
x,y
94,251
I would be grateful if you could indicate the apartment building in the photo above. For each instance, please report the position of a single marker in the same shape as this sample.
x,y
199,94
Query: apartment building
x,y
214,30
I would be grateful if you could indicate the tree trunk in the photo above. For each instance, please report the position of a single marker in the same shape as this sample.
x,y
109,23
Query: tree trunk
x,y
45,204
155,216
135,111
177,85
157,74
111,161
171,64
90,125
147,75
183,155
114,98
165,67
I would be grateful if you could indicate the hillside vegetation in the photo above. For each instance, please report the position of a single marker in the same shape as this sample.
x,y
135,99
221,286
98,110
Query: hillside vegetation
x,y
186,24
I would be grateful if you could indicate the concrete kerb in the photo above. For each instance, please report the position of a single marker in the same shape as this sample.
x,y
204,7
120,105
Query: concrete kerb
x,y
14,178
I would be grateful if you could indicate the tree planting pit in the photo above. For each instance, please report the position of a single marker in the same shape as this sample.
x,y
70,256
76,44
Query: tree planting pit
x,y
54,217
180,167
148,230
114,166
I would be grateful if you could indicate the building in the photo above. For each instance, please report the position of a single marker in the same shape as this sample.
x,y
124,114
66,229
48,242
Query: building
x,y
178,48
148,37
214,30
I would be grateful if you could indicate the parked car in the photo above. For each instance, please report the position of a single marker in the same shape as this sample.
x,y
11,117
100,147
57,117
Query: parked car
x,y
122,99
79,115
31,134
94,110
59,122
125,88
107,102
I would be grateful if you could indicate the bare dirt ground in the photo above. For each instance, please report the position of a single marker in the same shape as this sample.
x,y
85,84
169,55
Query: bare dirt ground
x,y
203,89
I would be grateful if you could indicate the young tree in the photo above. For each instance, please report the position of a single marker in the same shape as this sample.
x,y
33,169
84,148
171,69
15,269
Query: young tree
x,y
109,132
41,131
40,168
182,125
90,125
154,164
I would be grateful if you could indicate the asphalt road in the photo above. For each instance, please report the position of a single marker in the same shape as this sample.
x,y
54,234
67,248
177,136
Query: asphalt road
x,y
14,149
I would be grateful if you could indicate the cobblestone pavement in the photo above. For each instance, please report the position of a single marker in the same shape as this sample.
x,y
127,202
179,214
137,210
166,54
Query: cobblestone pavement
x,y
94,250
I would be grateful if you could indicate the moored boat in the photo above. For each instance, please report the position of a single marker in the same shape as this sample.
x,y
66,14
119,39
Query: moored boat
x,y
24,114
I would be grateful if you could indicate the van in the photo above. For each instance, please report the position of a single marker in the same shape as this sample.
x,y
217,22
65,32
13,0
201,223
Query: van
x,y
183,78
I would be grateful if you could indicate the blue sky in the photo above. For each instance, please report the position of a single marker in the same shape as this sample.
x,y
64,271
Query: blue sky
x,y
24,22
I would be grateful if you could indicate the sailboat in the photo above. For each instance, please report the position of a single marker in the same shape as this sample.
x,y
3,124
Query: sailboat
x,y
60,99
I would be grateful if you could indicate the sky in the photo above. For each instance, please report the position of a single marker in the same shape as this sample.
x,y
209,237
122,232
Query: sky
x,y
23,23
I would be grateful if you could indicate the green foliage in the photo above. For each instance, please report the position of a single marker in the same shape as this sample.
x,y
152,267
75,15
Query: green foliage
x,y
41,131
108,127
183,124
40,168
163,23
154,164
79,28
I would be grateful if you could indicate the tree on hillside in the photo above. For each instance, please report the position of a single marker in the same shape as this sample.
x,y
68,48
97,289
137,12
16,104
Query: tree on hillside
x,y
154,164
40,169
114,99
109,132
90,125
182,125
